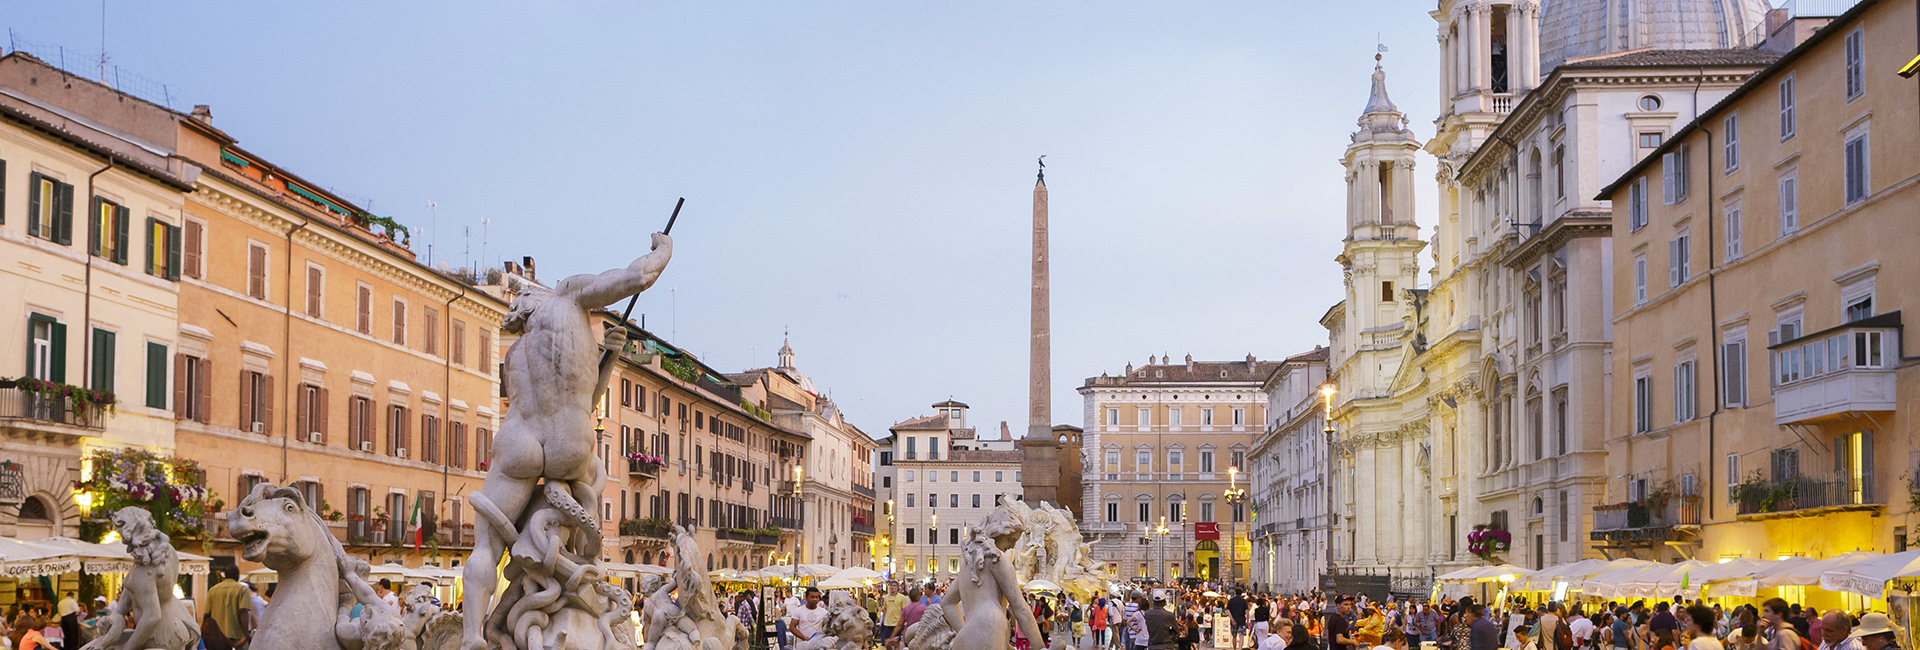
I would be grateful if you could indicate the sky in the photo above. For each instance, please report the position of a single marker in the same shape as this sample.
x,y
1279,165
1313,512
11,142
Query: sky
x,y
858,175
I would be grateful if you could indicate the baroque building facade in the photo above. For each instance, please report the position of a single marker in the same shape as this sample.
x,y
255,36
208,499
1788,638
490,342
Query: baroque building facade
x,y
1287,478
1166,475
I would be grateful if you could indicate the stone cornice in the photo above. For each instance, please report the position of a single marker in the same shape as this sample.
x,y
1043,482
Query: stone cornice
x,y
1549,94
354,253
1570,226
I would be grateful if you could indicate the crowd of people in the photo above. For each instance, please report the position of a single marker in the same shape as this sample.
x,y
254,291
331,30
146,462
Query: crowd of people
x,y
1185,619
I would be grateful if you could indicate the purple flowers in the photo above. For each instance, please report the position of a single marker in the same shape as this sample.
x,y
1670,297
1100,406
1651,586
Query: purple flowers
x,y
1485,541
646,459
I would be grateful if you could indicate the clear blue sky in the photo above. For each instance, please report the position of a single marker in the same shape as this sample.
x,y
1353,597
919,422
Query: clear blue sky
x,y
858,172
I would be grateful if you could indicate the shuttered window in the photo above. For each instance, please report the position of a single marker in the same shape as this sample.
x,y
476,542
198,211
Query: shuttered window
x,y
256,402
397,427
157,362
363,308
49,209
103,357
430,331
359,424
163,249
311,419
46,348
257,271
192,388
485,343
399,321
316,290
457,342
483,449
192,245
107,237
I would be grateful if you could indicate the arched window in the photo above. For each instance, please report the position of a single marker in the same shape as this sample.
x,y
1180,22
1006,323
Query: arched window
x,y
1536,200
34,510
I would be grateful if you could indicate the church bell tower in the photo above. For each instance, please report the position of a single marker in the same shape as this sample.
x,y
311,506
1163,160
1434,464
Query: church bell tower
x,y
1383,242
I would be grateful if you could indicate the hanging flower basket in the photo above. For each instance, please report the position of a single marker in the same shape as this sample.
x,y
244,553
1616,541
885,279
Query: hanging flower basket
x,y
1486,541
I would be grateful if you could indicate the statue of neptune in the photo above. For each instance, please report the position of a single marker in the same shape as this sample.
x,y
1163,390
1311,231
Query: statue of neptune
x,y
552,382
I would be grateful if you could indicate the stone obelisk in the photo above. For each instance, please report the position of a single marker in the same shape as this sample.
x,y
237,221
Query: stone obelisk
x,y
1040,463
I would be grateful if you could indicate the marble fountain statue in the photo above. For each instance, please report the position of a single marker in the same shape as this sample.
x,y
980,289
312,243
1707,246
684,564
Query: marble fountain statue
x,y
534,531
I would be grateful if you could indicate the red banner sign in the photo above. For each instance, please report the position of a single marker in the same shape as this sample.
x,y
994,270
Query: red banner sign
x,y
1206,530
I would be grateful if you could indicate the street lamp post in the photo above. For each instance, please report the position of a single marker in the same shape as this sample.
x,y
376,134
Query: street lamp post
x,y
1161,530
1235,497
891,534
1327,391
801,520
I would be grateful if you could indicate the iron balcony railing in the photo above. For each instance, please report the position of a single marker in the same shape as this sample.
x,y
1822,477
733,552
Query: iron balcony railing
x,y
1647,514
19,404
1807,493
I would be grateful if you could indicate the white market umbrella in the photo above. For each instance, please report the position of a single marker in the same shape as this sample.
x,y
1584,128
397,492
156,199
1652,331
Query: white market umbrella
x,y
1738,577
1485,573
837,582
819,570
260,576
1869,577
1808,573
1669,579
20,559
857,574
1037,584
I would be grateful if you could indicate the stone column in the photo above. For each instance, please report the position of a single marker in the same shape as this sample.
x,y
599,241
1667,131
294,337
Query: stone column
x,y
1482,46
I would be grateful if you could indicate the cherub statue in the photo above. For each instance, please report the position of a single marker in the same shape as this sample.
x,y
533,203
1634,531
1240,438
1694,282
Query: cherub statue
x,y
159,620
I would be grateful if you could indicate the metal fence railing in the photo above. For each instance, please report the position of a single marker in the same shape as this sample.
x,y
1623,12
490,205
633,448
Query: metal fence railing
x,y
90,66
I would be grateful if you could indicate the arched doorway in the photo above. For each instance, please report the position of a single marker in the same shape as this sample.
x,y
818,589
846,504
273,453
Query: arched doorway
x,y
1206,559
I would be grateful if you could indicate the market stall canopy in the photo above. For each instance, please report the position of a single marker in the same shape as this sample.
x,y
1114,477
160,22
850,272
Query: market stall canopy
x,y
114,558
819,570
857,574
1662,580
1808,573
1869,577
260,576
1575,572
1042,585
27,559
411,574
838,582
1484,573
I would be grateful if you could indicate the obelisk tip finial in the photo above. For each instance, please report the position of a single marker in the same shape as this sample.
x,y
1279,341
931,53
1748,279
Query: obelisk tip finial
x,y
1042,161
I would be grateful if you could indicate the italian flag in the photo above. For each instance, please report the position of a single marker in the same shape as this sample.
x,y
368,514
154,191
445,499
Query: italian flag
x,y
418,530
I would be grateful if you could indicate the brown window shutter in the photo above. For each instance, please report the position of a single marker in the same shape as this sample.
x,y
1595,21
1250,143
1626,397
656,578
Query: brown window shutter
x,y
457,346
206,392
363,321
324,406
626,392
246,401
353,423
314,278
301,416
486,351
266,403
393,430
430,331
190,249
257,271
180,362
399,322
406,432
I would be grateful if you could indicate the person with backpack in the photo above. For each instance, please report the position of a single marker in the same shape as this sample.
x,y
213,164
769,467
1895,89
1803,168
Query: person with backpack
x,y
1774,615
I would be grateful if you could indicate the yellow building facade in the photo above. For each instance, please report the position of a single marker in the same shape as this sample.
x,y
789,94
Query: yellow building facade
x,y
1761,266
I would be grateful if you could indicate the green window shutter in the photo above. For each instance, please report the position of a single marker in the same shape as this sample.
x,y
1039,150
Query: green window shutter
x,y
33,204
173,253
33,320
62,214
149,265
156,375
121,216
103,348
59,331
93,232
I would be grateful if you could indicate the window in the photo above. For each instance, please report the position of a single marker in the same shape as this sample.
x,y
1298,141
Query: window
x,y
316,289
953,537
1239,459
163,249
1206,511
1239,416
1859,308
1113,416
1787,124
49,209
1637,204
1730,133
1650,103
953,500
1856,62
1853,462
909,476
1001,476
1733,368
1857,164
1733,478
397,429
1640,279
1642,403
192,247
976,476
157,365
109,232
933,477
399,321
360,424
1206,415
1560,171
953,477
1734,232
311,411
1786,464
1206,460
1678,267
256,402
933,500
1789,203
1683,391
976,500
1113,511
363,309
257,271
1146,512
1564,507
192,388
1239,512
1175,510
485,344
1143,461
1560,421
1386,291
430,331
1674,169
1651,139
1173,460
46,349
103,354
457,343
910,504
1173,415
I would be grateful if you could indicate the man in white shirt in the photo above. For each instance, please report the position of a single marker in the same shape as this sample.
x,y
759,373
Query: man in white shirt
x,y
1836,628
1580,626
808,618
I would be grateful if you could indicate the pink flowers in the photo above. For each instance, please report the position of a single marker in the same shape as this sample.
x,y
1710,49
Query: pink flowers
x,y
1485,541
645,459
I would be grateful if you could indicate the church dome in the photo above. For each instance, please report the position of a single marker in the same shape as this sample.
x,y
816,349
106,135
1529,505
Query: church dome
x,y
1572,29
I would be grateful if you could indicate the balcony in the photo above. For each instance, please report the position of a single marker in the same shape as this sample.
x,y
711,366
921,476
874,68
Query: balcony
x,y
1502,102
863,490
789,523
17,403
863,529
1647,520
756,537
643,470
1805,495
1846,369
1104,527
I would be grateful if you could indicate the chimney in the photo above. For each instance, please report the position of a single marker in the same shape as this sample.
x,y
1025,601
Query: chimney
x,y
1250,361
526,262
1005,434
203,114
